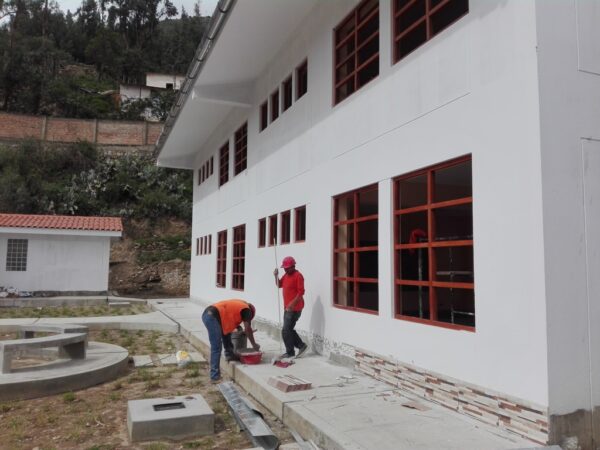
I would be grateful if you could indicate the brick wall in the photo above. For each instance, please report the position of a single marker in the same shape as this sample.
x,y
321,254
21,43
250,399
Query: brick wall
x,y
518,416
102,132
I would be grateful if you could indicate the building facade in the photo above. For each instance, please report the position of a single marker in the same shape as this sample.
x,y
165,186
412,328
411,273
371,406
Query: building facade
x,y
432,166
56,254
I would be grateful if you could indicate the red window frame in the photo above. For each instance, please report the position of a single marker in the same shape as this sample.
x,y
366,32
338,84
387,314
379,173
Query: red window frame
x,y
415,22
241,149
348,227
286,227
262,232
356,50
264,116
302,79
274,105
300,224
221,258
239,258
429,244
224,164
287,93
272,230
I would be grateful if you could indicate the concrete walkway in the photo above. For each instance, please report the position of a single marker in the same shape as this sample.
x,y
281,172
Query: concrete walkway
x,y
345,409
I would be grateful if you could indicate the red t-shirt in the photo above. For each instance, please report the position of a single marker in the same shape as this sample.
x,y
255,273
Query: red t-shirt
x,y
292,286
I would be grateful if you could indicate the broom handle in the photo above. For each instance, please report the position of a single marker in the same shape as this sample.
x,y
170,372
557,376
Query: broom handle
x,y
277,287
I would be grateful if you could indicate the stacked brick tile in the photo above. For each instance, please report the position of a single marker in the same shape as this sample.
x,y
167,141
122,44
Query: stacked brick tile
x,y
289,383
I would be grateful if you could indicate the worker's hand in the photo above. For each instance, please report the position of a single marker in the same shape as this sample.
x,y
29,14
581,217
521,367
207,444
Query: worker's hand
x,y
256,347
276,271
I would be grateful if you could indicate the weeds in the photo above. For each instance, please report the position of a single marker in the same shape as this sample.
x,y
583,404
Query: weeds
x,y
69,397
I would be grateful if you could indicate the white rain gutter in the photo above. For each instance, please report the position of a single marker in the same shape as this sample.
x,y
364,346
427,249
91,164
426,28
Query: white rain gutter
x,y
215,26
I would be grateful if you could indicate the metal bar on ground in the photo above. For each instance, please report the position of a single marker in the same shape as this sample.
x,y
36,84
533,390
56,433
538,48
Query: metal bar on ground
x,y
248,418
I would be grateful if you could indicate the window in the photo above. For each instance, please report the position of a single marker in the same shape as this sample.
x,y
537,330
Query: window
x,y
355,252
241,149
274,105
262,232
239,257
356,49
264,115
301,79
221,258
300,224
286,89
286,218
197,246
209,244
224,164
16,255
433,245
417,21
273,230
211,165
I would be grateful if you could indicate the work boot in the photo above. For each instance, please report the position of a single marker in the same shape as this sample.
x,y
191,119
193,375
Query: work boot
x,y
301,350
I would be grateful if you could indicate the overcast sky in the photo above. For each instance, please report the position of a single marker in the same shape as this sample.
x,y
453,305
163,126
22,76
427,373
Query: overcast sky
x,y
206,6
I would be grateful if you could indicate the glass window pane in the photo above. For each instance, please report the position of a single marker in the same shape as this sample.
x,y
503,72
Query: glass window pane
x,y
344,264
413,264
368,296
456,306
344,236
453,182
367,203
368,264
412,192
454,264
413,228
345,207
413,301
454,223
344,291
367,233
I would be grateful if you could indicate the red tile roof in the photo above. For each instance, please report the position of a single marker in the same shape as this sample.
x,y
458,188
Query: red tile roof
x,y
61,222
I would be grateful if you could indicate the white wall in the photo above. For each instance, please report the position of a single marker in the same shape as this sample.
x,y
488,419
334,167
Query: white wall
x,y
160,80
130,92
471,90
59,263
569,67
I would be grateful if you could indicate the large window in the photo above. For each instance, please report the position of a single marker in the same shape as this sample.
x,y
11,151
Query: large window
x,y
433,245
417,21
221,258
16,255
300,224
355,251
241,149
239,257
356,49
224,164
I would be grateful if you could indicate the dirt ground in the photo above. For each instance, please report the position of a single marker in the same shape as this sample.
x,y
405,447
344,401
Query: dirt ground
x,y
131,277
96,418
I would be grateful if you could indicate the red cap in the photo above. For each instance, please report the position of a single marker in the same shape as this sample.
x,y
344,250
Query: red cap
x,y
288,261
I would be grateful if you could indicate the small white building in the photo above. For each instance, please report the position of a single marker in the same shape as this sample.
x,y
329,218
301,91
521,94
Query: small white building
x,y
434,168
56,254
164,80
129,92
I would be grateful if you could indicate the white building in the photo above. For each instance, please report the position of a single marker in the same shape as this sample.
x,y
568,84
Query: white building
x,y
433,167
56,254
164,80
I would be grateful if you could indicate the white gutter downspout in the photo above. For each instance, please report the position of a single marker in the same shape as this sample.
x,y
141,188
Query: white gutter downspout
x,y
215,26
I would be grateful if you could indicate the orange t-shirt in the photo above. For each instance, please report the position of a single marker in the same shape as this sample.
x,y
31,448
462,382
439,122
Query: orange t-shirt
x,y
230,313
292,285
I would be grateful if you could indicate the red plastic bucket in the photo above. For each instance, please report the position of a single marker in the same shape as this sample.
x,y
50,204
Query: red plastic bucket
x,y
250,357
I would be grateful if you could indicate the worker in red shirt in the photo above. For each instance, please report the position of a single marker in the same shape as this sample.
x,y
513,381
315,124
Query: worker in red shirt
x,y
292,284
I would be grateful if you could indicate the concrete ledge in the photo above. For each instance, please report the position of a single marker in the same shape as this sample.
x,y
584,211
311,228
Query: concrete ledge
x,y
103,362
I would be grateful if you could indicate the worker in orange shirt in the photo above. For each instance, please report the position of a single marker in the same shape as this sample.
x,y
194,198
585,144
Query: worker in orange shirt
x,y
292,285
221,319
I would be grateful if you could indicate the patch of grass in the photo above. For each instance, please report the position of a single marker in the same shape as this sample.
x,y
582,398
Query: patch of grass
x,y
152,384
118,385
103,447
69,397
114,396
207,442
192,373
156,446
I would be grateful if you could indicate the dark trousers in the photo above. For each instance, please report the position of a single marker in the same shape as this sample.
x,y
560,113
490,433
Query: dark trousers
x,y
289,335
217,340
